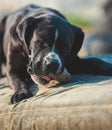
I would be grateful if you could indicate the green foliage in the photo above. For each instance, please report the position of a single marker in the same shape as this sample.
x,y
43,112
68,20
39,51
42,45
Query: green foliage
x,y
80,21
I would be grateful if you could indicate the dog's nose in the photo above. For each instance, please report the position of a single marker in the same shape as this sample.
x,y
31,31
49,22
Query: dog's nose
x,y
52,66
52,62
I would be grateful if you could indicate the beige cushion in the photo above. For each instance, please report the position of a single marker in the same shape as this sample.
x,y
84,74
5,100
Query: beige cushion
x,y
83,104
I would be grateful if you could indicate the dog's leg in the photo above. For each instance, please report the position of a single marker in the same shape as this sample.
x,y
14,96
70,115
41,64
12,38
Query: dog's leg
x,y
2,29
90,66
20,87
17,76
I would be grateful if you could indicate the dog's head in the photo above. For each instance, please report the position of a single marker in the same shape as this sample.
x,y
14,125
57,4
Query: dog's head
x,y
50,41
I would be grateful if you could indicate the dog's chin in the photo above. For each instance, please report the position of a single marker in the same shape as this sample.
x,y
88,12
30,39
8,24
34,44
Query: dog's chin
x,y
62,77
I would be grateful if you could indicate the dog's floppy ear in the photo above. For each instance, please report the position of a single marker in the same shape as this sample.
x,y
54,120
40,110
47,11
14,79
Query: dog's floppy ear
x,y
78,36
25,29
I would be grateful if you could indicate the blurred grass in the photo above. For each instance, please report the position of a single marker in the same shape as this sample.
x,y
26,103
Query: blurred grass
x,y
79,20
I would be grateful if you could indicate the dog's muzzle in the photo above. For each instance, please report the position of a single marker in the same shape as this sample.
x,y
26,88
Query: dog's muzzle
x,y
52,63
53,69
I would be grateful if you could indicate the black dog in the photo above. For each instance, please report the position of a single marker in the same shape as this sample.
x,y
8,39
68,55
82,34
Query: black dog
x,y
40,41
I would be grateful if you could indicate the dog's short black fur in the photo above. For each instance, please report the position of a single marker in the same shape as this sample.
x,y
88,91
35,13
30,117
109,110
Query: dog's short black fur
x,y
40,40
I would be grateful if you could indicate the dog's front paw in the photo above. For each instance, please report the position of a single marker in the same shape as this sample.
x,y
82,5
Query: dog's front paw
x,y
20,95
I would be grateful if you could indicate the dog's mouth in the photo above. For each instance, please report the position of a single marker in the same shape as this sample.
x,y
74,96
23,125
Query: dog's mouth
x,y
62,77
43,80
47,78
36,77
44,77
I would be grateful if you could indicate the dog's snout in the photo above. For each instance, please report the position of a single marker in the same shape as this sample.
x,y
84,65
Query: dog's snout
x,y
52,66
52,62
